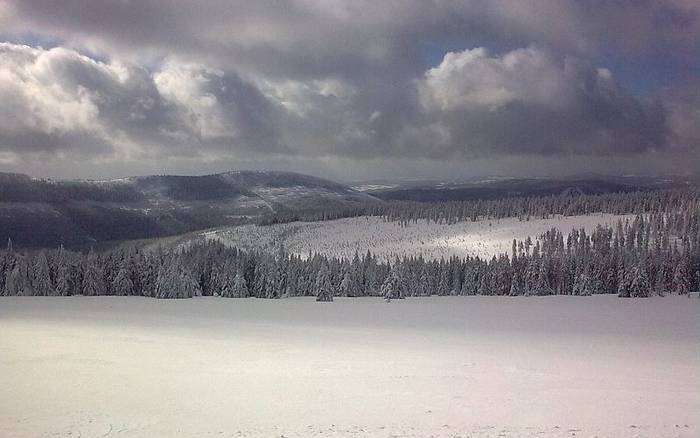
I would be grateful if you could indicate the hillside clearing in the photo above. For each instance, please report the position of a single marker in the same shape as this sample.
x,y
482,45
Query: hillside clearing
x,y
387,240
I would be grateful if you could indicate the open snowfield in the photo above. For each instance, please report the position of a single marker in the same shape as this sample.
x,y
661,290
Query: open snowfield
x,y
431,367
387,240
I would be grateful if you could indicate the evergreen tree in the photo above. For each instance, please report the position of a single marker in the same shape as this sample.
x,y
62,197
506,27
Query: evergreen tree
x,y
41,278
516,285
175,282
93,280
17,282
423,284
623,282
681,279
322,287
122,283
347,285
583,284
391,288
240,286
638,283
64,286
225,282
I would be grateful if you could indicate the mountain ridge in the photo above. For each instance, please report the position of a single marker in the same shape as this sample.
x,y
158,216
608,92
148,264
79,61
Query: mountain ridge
x,y
44,212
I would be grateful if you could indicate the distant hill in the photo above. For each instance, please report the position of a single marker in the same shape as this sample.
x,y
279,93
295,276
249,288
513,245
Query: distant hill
x,y
497,188
38,212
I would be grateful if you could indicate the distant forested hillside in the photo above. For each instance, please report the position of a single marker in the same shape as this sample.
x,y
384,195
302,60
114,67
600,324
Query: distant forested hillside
x,y
36,212
655,254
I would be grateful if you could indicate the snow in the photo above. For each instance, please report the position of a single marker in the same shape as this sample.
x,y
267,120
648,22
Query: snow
x,y
373,187
440,367
387,240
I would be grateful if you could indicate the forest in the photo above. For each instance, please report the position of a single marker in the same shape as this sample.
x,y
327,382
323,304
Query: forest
x,y
657,253
522,207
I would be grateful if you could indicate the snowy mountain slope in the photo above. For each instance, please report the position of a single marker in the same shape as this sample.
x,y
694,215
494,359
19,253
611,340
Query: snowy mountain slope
x,y
38,212
387,240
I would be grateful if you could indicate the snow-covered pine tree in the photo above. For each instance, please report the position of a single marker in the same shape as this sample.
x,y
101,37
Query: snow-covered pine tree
x,y
41,276
391,288
638,282
516,285
456,287
323,286
623,286
64,285
148,275
122,283
224,284
583,285
93,278
485,284
240,286
174,281
542,287
423,284
347,286
443,284
17,282
681,279
470,285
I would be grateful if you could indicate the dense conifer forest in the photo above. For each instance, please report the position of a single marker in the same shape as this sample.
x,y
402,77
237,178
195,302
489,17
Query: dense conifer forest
x,y
657,253
525,208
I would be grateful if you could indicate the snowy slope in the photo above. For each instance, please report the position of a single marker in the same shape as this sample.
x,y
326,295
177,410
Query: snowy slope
x,y
435,367
342,237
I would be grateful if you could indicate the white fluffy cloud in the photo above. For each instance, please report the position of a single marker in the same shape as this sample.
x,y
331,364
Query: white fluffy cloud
x,y
36,99
527,101
472,104
60,100
473,78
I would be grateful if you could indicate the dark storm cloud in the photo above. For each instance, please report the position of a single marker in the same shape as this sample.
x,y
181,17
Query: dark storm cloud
x,y
140,80
319,37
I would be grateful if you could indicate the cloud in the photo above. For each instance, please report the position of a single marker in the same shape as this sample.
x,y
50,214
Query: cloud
x,y
320,38
471,105
59,100
474,79
526,101
32,101
218,109
683,104
441,80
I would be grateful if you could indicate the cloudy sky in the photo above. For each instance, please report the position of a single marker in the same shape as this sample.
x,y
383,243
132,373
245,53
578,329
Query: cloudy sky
x,y
349,89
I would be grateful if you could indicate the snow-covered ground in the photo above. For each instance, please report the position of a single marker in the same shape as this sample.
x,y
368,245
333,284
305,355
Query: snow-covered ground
x,y
387,240
434,367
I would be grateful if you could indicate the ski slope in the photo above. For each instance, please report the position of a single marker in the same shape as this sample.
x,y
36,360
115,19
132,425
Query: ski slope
x,y
387,240
438,367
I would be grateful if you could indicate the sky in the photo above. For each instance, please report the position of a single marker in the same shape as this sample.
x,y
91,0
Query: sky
x,y
349,90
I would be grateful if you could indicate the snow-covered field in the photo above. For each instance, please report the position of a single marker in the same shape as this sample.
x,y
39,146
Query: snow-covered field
x,y
387,240
434,367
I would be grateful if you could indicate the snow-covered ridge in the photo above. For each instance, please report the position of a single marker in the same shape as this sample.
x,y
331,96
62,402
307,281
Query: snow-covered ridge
x,y
343,237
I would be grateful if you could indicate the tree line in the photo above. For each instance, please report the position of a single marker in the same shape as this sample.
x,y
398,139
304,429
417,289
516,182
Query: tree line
x,y
524,208
654,254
